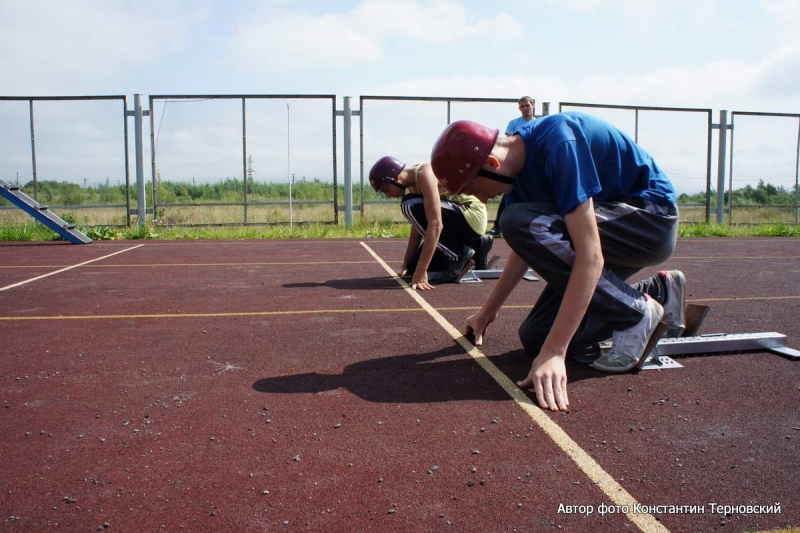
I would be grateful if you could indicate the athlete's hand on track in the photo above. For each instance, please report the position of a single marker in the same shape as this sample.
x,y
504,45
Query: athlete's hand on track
x,y
420,282
477,324
548,377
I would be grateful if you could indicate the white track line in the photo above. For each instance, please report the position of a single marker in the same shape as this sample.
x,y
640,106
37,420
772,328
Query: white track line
x,y
615,492
67,268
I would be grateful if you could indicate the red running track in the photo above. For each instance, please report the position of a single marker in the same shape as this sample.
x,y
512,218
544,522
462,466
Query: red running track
x,y
296,386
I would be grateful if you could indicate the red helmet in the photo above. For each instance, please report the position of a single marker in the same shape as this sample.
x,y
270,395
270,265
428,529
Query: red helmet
x,y
460,152
384,172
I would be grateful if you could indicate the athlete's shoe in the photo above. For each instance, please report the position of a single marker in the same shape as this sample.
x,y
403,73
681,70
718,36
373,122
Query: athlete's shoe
x,y
630,347
482,252
494,232
675,305
456,269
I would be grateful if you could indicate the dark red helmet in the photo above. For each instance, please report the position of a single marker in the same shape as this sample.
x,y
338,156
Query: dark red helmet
x,y
384,172
460,152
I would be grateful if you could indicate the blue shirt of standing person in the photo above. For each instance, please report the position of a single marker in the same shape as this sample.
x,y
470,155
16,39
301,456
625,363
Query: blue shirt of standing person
x,y
526,107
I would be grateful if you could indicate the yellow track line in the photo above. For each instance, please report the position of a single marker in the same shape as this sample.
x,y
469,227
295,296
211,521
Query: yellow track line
x,y
315,311
67,268
209,315
615,492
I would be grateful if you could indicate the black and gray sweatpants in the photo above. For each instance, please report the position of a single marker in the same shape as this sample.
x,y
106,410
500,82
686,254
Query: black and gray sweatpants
x,y
456,235
634,234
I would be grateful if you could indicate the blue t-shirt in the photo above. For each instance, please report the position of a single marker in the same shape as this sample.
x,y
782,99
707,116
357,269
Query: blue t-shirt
x,y
515,124
571,157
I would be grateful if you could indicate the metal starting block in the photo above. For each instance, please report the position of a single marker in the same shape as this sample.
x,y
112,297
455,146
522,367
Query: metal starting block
x,y
477,276
660,358
693,343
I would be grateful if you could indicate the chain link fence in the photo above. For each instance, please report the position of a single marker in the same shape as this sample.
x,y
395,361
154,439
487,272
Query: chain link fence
x,y
243,159
763,169
69,153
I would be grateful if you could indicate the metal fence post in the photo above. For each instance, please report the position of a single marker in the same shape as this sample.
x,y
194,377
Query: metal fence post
x,y
347,113
722,151
141,200
797,174
33,153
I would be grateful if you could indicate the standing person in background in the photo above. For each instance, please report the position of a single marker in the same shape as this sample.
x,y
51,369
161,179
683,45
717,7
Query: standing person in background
x,y
527,107
446,232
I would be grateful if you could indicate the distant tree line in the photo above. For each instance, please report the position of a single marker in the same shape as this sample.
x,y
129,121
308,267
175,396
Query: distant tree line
x,y
231,190
760,195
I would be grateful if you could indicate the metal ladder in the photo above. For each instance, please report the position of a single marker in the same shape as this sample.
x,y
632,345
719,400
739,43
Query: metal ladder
x,y
42,214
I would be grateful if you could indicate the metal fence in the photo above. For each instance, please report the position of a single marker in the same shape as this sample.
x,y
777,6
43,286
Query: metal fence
x,y
272,159
69,153
243,159
765,148
407,128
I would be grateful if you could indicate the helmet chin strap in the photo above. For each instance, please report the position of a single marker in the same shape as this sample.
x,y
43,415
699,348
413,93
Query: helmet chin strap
x,y
495,176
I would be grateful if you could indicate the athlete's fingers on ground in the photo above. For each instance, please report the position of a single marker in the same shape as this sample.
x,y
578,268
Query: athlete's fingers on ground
x,y
470,329
478,339
525,383
543,396
561,395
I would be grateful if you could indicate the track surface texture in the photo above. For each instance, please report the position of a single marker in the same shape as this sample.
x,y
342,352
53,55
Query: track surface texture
x,y
296,385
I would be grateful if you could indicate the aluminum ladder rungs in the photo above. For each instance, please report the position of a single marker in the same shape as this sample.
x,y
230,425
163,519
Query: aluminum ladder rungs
x,y
42,213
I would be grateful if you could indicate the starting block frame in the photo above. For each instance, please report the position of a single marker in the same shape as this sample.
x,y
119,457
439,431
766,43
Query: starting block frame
x,y
477,276
693,343
472,275
661,356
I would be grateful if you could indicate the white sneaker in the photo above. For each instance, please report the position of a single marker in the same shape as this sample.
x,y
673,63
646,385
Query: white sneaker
x,y
674,307
629,347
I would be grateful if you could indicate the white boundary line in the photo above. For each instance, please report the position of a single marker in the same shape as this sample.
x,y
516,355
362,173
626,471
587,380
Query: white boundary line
x,y
615,492
67,268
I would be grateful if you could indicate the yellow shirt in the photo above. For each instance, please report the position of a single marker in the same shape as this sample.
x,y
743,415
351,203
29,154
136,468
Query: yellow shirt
x,y
474,212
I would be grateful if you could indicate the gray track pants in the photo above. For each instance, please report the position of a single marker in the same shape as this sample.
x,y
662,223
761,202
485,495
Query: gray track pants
x,y
633,235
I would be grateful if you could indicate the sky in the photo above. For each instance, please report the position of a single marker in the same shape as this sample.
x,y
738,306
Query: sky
x,y
719,54
734,55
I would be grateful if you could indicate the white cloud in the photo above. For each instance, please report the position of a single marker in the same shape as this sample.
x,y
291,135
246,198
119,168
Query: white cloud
x,y
779,73
647,12
291,40
783,9
58,43
771,84
368,34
